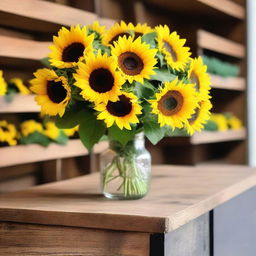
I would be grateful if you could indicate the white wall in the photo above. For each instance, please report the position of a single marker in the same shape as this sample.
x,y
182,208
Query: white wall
x,y
251,97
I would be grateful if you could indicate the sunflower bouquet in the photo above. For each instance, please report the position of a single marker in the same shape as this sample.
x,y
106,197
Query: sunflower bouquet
x,y
119,82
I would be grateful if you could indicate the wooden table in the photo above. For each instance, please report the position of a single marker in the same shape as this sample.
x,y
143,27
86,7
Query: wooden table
x,y
186,213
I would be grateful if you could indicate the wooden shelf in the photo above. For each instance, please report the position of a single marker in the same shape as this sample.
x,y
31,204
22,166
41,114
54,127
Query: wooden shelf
x,y
41,15
213,9
20,104
228,83
215,137
209,41
22,154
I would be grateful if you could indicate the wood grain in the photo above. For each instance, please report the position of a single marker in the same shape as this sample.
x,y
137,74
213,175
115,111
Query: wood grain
x,y
220,136
35,153
178,195
207,40
41,16
214,9
228,83
20,104
24,239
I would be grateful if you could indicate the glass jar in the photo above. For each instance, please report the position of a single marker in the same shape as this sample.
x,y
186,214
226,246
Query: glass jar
x,y
126,170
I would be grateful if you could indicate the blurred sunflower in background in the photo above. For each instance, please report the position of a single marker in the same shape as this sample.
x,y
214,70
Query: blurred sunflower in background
x,y
51,130
116,31
123,112
199,118
170,44
8,134
30,126
70,47
234,122
174,104
71,132
198,75
98,78
3,84
53,92
135,59
220,120
19,85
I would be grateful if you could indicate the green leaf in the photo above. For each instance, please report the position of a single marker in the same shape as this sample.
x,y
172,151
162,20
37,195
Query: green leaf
x,y
163,75
70,119
9,97
122,136
90,130
161,59
169,132
153,131
35,138
149,39
211,126
144,90
62,139
45,61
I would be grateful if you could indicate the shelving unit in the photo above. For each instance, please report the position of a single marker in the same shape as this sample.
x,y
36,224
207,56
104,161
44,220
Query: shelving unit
x,y
25,36
228,83
19,104
22,154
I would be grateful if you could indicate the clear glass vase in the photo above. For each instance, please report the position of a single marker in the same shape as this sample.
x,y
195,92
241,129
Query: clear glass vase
x,y
126,170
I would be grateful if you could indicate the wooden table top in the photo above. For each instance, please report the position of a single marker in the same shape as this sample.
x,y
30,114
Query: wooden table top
x,y
178,195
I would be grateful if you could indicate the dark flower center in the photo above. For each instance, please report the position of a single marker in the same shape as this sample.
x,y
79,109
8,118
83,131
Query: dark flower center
x,y
137,34
56,92
194,80
101,80
130,63
115,38
169,48
170,103
120,108
73,52
4,129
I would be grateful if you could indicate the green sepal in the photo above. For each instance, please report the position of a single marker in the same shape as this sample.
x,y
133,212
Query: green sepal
x,y
91,130
45,61
122,136
35,138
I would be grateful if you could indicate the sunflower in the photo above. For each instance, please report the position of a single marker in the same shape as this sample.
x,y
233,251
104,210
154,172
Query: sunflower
x,y
135,59
18,83
198,75
97,28
98,78
3,84
70,132
176,55
117,31
51,130
199,118
123,112
8,134
174,104
70,47
221,121
53,92
30,126
234,123
141,29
